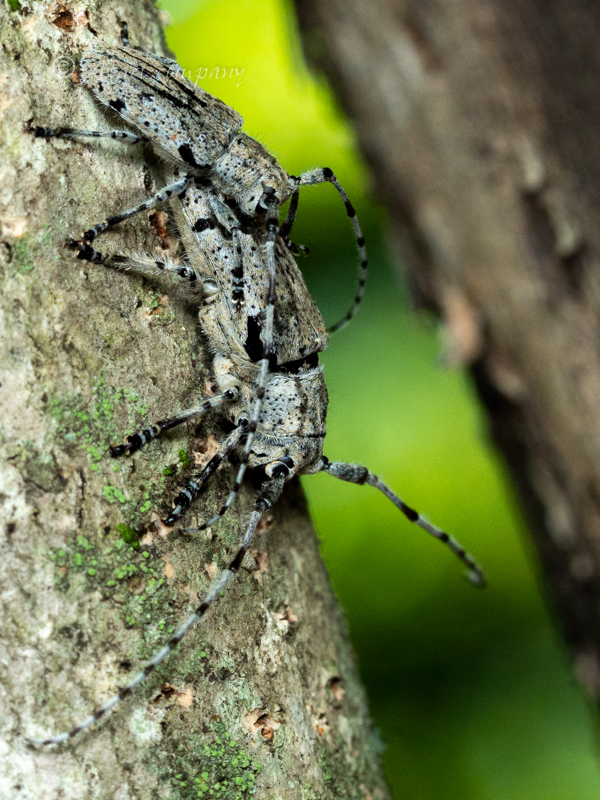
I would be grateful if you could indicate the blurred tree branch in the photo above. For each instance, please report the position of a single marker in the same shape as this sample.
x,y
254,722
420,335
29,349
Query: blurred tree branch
x,y
480,122
87,354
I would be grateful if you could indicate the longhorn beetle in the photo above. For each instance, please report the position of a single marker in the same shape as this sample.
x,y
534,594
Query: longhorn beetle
x,y
259,321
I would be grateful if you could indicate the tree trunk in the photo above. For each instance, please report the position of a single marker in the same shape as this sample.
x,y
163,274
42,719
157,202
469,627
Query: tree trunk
x,y
262,697
479,120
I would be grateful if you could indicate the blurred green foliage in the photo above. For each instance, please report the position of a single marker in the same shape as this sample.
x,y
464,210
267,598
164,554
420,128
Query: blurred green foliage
x,y
469,688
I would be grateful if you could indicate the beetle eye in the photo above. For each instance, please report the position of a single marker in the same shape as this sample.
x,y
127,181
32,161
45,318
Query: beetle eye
x,y
282,468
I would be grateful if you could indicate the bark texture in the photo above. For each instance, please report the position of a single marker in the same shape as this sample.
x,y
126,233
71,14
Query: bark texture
x,y
479,119
262,699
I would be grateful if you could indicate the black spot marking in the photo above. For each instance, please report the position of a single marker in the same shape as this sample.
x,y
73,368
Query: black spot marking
x,y
185,151
293,367
237,561
201,225
254,345
363,478
118,105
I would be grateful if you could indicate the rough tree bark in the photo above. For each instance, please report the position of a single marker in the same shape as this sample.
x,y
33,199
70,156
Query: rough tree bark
x,y
479,119
264,694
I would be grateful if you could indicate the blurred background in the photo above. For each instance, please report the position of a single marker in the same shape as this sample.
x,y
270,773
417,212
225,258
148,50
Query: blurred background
x,y
470,690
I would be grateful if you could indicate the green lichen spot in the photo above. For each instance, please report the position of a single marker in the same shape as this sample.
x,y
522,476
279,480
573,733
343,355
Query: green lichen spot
x,y
84,543
94,453
113,494
220,769
22,257
125,573
91,424
128,534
